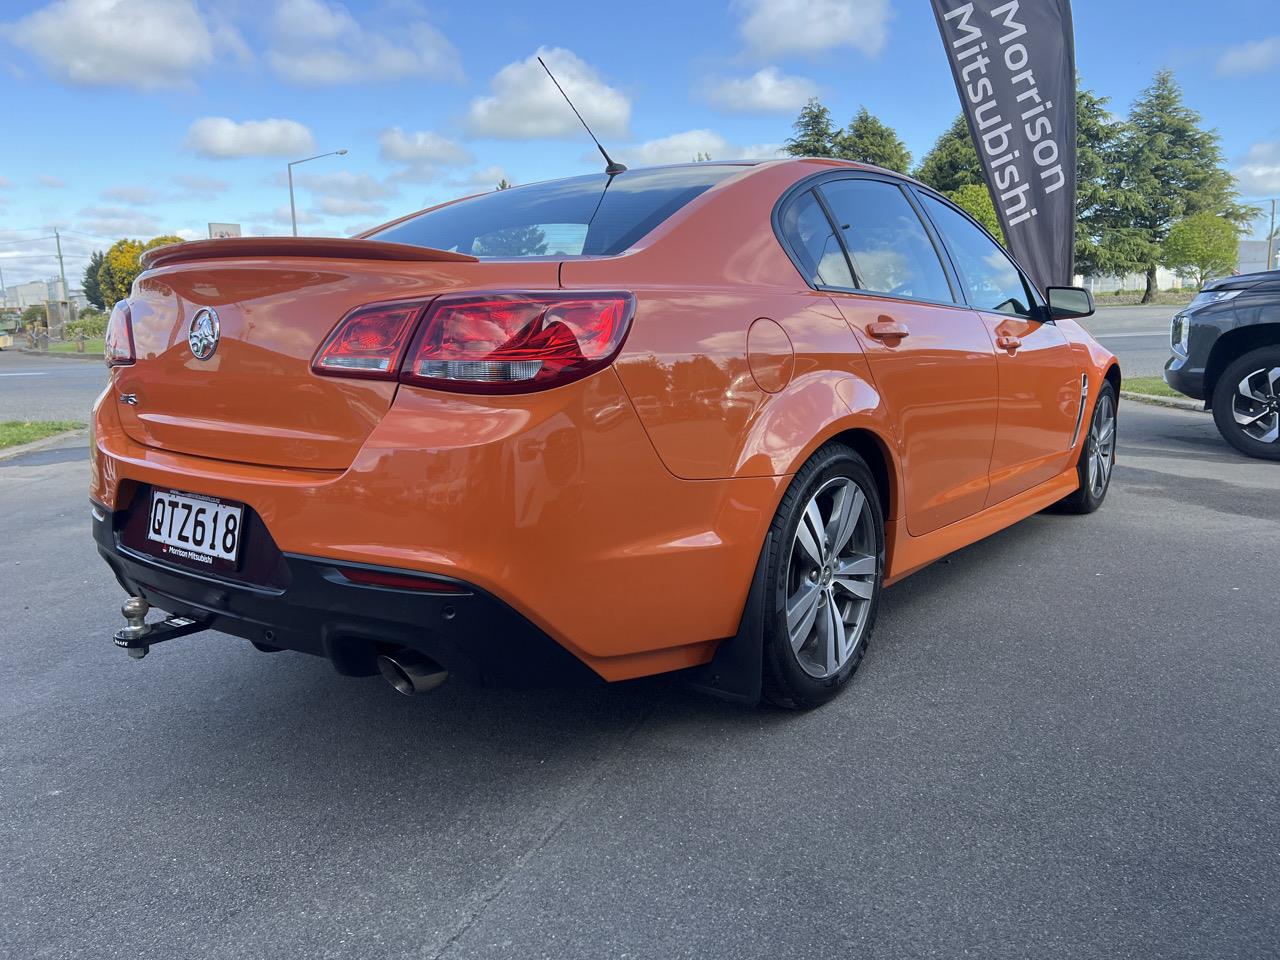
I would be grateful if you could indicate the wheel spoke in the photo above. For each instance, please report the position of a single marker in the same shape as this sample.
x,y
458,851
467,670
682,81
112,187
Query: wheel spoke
x,y
809,534
802,610
1246,388
848,576
844,517
1247,421
833,637
1272,435
1107,432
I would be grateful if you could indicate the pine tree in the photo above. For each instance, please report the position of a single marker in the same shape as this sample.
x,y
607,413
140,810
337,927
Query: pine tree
x,y
1104,234
814,135
93,289
953,161
868,140
1170,168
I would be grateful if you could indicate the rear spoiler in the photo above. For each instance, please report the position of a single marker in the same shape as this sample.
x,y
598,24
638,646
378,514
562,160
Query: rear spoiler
x,y
335,248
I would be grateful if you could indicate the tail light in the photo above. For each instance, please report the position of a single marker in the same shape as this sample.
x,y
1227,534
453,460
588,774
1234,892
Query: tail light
x,y
399,581
481,343
118,349
512,342
369,341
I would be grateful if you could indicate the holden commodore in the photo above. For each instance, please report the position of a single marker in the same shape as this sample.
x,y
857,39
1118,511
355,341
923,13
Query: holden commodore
x,y
690,418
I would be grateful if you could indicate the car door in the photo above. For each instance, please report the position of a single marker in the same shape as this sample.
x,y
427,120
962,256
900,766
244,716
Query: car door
x,y
930,356
1040,376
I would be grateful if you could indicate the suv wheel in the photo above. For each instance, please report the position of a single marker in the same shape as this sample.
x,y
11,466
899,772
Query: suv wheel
x,y
824,579
1246,403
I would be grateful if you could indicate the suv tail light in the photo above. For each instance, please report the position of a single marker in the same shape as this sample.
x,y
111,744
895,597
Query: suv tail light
x,y
118,349
481,343
369,341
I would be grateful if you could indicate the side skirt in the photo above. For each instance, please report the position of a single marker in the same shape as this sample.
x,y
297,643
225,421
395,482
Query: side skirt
x,y
907,554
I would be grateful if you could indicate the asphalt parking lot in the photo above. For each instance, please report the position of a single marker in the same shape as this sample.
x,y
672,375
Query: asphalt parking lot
x,y
1063,743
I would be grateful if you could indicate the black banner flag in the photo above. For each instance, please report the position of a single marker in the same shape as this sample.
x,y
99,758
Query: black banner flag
x,y
1014,67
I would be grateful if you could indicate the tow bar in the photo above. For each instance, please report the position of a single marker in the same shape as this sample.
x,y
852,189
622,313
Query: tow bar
x,y
139,637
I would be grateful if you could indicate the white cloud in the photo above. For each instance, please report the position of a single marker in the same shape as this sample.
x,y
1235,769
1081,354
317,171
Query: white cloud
x,y
221,138
119,222
765,91
1257,56
806,27
685,147
134,196
346,185
348,206
280,215
525,104
423,146
420,154
52,182
196,187
481,180
129,43
1259,173
321,43
5,183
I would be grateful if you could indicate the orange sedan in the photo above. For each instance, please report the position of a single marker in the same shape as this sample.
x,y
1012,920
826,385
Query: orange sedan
x,y
686,418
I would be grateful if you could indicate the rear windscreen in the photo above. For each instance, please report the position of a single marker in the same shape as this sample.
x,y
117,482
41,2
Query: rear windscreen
x,y
590,215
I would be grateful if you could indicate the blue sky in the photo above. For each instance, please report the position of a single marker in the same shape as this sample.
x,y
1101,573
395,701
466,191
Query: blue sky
x,y
140,117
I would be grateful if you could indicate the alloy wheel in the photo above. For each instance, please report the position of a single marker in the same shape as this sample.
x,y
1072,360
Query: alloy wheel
x,y
1102,445
1256,405
832,576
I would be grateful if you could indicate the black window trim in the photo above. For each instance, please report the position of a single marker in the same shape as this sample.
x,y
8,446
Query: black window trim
x,y
1038,313
812,183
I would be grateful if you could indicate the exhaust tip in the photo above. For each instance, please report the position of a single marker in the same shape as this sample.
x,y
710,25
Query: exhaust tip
x,y
409,672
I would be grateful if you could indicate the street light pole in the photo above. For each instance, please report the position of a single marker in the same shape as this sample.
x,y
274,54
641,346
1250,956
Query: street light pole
x,y
293,210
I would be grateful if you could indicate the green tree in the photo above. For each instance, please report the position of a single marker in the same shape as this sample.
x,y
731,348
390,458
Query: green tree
x,y
1202,246
814,134
953,161
503,185
868,140
976,199
1105,238
1169,169
121,265
93,289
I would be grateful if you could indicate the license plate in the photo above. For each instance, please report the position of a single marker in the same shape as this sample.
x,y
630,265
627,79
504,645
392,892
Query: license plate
x,y
196,528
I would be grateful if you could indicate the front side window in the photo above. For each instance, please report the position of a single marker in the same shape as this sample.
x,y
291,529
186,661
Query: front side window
x,y
591,215
992,281
809,232
891,252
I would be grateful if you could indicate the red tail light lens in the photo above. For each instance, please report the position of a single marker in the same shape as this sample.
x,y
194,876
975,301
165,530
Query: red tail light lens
x,y
399,581
515,342
118,349
369,341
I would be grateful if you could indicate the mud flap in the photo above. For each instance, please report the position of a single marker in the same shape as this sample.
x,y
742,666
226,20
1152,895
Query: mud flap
x,y
736,671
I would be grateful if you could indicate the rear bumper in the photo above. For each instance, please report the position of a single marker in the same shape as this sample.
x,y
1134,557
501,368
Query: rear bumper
x,y
553,504
313,608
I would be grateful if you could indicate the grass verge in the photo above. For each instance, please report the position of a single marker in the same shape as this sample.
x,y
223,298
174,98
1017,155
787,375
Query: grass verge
x,y
14,432
1152,386
92,348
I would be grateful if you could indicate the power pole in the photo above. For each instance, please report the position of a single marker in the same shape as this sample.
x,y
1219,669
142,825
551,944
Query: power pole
x,y
66,292
1271,237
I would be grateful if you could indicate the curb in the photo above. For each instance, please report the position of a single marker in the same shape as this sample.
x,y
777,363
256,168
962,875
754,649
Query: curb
x,y
1178,403
95,357
8,453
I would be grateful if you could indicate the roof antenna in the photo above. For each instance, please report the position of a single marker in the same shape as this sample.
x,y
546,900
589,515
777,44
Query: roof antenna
x,y
612,167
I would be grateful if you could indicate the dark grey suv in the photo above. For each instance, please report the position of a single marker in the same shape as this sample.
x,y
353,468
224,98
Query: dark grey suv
x,y
1226,352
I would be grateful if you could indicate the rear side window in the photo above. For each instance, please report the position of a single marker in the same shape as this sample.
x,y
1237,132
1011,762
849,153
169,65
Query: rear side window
x,y
592,215
991,280
807,229
891,252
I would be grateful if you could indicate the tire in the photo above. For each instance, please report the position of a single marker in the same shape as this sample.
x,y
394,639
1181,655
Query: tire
x,y
1098,453
1246,403
837,591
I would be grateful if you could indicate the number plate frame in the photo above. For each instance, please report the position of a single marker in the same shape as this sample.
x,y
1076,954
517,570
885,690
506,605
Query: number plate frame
x,y
189,513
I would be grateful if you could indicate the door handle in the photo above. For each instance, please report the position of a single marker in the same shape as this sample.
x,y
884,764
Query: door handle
x,y
889,330
1008,343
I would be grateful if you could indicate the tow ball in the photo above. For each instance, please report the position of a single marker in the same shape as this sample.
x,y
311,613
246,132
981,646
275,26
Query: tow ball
x,y
139,637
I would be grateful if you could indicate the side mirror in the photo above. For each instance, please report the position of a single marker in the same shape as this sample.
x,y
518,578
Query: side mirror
x,y
1069,303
